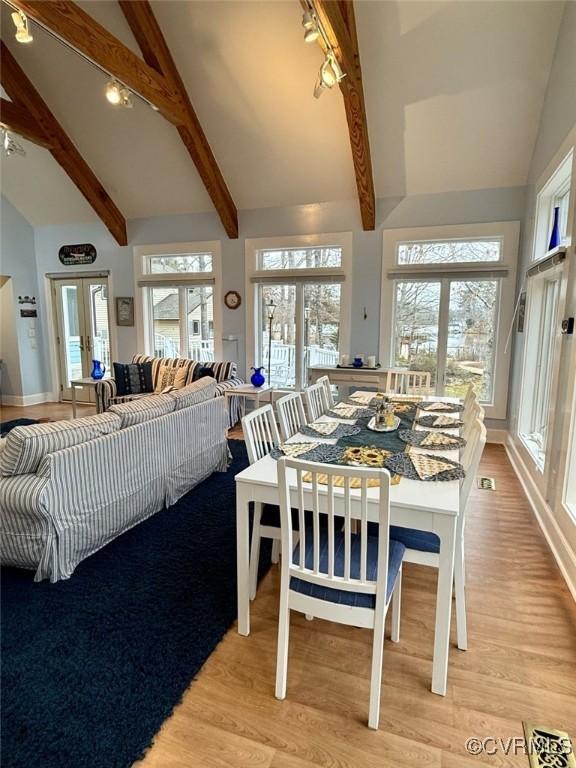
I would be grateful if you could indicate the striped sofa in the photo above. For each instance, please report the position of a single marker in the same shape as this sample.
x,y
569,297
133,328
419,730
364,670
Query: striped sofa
x,y
68,488
225,374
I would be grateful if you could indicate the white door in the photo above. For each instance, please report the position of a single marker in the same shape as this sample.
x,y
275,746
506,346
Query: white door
x,y
82,319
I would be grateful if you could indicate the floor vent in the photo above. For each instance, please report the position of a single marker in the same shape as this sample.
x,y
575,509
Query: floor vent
x,y
548,747
486,483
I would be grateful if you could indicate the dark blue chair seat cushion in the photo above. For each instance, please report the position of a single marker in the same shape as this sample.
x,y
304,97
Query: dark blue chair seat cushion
x,y
423,541
357,599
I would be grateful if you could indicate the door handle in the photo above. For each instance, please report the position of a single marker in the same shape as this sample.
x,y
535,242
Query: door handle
x,y
81,343
88,347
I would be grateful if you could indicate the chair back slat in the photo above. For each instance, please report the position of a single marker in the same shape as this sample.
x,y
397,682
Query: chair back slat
x,y
408,382
339,502
471,460
260,433
315,401
328,394
291,414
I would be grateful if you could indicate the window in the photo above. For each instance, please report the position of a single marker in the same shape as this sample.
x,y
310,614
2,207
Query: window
x,y
177,312
298,298
570,494
447,296
554,193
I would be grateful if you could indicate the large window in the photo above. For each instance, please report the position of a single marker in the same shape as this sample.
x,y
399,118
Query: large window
x,y
178,314
298,299
447,295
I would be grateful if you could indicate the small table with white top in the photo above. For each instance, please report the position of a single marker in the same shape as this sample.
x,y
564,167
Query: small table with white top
x,y
248,391
88,381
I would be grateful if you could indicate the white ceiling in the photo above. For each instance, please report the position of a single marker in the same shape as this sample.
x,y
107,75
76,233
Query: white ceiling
x,y
453,92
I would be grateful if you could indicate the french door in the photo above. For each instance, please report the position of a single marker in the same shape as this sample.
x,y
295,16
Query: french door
x,y
304,329
82,321
449,327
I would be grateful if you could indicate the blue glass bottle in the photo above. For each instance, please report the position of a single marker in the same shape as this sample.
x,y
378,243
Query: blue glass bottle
x,y
257,377
555,235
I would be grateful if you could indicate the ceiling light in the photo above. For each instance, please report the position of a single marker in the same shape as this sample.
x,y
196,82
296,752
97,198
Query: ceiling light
x,y
10,145
118,95
21,23
330,74
310,25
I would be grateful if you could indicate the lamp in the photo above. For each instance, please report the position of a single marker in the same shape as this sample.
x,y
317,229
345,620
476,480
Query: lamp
x,y
118,95
311,32
21,23
330,74
270,310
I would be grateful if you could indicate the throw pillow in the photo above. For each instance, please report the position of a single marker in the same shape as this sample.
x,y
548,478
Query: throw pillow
x,y
181,376
166,378
133,378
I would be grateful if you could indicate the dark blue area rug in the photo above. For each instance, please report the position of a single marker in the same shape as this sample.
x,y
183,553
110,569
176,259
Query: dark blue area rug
x,y
92,666
6,426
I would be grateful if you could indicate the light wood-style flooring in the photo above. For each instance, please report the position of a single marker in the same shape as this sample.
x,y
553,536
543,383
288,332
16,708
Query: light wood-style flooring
x,y
521,664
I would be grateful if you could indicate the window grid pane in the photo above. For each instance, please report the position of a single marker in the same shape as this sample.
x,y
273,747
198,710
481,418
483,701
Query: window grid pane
x,y
416,320
178,263
300,258
449,251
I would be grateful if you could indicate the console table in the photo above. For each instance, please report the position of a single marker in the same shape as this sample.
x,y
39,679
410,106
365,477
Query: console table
x,y
398,380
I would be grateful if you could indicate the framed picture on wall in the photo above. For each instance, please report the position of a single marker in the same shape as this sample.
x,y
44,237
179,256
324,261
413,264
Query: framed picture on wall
x,y
124,310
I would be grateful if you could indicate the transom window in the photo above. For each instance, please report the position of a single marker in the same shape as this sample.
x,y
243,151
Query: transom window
x,y
447,301
178,313
298,305
449,251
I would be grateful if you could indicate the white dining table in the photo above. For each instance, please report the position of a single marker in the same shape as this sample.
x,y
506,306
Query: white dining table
x,y
426,506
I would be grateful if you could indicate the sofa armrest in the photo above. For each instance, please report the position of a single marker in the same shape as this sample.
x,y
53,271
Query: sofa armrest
x,y
105,391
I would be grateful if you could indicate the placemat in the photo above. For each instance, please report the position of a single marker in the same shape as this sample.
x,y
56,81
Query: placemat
x,y
442,407
319,452
328,429
344,411
355,482
423,466
389,441
431,440
439,422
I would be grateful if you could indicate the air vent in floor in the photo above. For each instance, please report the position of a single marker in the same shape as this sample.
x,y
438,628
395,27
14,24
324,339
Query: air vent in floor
x,y
487,483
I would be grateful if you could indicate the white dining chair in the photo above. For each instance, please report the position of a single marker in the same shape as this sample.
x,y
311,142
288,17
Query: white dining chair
x,y
329,395
470,396
475,412
408,382
261,435
291,416
334,574
316,403
423,547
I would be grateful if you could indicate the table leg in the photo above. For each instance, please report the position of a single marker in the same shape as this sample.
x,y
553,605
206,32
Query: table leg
x,y
257,400
243,559
445,528
73,401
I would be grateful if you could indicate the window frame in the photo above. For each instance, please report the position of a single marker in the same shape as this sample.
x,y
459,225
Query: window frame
x,y
559,182
255,277
144,280
503,270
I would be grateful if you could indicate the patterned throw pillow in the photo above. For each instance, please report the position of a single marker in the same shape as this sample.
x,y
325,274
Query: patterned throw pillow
x,y
166,378
133,378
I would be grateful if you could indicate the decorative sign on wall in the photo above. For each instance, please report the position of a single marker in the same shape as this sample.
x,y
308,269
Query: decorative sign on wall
x,y
83,253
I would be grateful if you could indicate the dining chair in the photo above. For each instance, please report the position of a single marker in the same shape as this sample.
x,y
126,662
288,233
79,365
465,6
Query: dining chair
x,y
261,435
329,396
470,396
334,574
291,414
408,382
316,403
423,547
475,412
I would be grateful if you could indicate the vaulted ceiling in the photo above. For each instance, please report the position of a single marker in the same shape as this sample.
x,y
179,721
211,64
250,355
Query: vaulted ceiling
x,y
453,93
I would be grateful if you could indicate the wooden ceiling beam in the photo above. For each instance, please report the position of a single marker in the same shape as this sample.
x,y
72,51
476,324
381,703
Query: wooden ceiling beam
x,y
80,31
149,37
19,120
338,21
27,99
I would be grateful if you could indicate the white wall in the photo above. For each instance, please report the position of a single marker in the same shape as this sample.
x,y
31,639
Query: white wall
x,y
17,259
451,208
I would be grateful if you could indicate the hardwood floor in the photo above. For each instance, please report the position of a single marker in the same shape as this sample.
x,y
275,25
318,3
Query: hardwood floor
x,y
521,665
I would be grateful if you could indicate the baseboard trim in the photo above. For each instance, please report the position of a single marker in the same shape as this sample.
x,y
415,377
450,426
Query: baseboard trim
x,y
561,550
498,436
21,401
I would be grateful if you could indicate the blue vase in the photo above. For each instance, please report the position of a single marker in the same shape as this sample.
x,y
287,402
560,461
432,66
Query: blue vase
x,y
358,362
257,377
98,370
555,236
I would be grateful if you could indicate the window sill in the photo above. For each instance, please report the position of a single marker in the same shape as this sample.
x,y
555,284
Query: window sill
x,y
536,454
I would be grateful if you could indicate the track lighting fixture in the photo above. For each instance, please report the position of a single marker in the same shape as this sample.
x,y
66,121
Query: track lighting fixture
x,y
310,25
118,95
9,143
21,23
330,74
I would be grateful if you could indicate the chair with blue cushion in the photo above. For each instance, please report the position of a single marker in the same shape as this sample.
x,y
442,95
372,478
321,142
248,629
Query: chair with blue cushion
x,y
423,547
335,574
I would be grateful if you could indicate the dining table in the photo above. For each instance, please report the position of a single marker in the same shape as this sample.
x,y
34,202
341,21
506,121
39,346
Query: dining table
x,y
426,506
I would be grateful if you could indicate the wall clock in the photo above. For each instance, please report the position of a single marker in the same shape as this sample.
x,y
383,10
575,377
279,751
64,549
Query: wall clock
x,y
232,299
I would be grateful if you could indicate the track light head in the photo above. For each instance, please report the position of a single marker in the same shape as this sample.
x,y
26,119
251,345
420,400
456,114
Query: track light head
x,y
10,145
311,31
118,95
22,31
330,74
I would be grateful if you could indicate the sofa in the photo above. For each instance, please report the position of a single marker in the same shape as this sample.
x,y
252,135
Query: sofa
x,y
68,488
225,374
